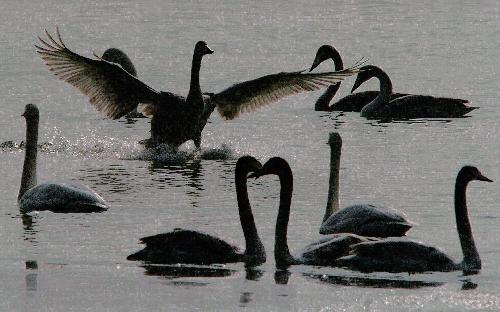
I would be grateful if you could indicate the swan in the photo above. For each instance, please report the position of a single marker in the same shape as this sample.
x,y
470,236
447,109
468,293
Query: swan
x,y
350,103
360,219
55,197
325,251
406,107
193,247
408,256
175,119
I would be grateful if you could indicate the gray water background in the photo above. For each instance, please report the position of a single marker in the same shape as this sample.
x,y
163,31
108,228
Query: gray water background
x,y
446,48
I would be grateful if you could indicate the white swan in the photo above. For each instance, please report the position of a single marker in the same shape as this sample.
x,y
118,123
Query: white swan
x,y
56,197
360,219
398,255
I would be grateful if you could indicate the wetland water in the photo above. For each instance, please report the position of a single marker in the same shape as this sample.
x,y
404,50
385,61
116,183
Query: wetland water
x,y
76,262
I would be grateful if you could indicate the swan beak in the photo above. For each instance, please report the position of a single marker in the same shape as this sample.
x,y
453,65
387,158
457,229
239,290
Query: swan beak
x,y
315,64
255,175
209,51
481,177
357,83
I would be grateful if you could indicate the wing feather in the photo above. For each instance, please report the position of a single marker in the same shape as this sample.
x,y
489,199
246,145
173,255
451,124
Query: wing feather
x,y
111,89
249,95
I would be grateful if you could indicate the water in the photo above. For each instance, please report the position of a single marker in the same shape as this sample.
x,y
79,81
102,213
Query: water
x,y
76,262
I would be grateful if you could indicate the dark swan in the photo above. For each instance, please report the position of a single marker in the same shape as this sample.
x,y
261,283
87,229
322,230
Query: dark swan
x,y
175,119
408,256
52,196
325,251
360,219
406,107
192,247
350,103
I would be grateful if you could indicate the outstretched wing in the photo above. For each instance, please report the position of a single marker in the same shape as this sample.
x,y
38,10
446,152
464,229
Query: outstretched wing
x,y
112,90
249,95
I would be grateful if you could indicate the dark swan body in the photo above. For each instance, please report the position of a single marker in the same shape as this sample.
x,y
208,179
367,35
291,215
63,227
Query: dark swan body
x,y
52,196
175,119
350,103
360,219
325,251
397,255
406,107
193,247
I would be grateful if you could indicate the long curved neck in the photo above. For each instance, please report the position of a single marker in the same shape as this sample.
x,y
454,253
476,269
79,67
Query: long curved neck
x,y
332,204
376,106
254,246
28,179
471,260
327,96
282,254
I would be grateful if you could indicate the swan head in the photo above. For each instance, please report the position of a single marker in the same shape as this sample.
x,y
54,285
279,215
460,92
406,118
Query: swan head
x,y
202,48
471,173
327,52
30,112
365,73
248,164
117,56
275,165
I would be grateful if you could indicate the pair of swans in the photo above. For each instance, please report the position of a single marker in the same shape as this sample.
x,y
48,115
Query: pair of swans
x,y
185,246
114,91
384,103
392,255
52,196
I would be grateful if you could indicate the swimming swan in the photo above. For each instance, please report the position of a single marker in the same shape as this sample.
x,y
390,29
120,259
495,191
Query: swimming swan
x,y
175,119
360,219
325,251
406,107
350,103
55,197
408,256
187,246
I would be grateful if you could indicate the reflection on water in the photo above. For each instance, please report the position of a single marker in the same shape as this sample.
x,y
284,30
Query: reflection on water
x,y
468,285
253,274
371,282
29,228
245,298
179,270
281,277
31,278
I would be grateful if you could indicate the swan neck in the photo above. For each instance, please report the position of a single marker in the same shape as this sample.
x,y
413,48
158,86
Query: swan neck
x,y
282,254
253,243
374,108
28,178
471,255
322,104
195,89
332,204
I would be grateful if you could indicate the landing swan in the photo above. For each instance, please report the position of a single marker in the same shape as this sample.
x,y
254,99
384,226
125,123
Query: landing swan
x,y
186,246
323,252
55,197
408,256
406,107
350,103
360,219
175,119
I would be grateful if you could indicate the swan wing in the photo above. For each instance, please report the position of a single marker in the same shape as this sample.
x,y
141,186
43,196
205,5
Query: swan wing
x,y
112,90
249,95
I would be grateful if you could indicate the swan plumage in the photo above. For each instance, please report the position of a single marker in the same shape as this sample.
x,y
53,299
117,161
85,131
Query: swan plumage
x,y
398,255
409,106
114,92
350,103
323,252
194,247
360,219
52,196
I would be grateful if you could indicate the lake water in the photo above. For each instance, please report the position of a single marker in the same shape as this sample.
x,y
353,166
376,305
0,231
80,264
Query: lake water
x,y
76,262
